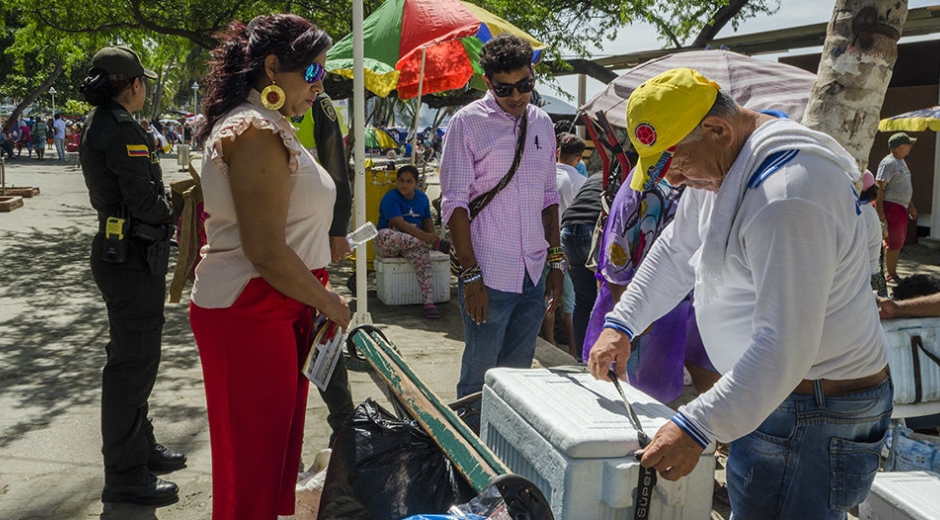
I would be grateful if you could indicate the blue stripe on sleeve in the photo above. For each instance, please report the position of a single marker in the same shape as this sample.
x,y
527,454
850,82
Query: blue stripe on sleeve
x,y
613,323
689,428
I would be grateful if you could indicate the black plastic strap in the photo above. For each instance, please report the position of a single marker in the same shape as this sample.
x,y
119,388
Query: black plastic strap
x,y
917,346
915,358
644,493
647,476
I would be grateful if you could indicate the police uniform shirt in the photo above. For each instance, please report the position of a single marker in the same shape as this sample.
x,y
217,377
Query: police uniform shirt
x,y
121,167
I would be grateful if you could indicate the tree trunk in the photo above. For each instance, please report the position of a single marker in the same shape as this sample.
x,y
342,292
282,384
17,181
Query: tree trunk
x,y
34,95
854,71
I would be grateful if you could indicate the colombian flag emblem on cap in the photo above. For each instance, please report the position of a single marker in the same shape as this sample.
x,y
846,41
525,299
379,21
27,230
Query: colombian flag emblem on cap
x,y
138,150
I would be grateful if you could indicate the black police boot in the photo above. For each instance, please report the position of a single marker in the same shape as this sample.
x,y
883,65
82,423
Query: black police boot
x,y
142,488
164,459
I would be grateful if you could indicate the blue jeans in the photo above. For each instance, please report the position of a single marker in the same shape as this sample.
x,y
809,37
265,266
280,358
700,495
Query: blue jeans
x,y
576,243
815,457
59,147
506,339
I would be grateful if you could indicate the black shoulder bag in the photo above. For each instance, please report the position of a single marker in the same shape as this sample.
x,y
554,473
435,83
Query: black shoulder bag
x,y
481,201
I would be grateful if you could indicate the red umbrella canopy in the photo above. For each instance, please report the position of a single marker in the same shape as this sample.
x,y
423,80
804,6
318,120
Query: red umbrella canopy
x,y
450,32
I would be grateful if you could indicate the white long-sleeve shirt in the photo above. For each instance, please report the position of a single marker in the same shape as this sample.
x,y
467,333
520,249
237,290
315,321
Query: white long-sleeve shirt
x,y
794,300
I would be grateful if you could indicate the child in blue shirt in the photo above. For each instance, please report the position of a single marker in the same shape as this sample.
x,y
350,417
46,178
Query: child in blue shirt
x,y
406,230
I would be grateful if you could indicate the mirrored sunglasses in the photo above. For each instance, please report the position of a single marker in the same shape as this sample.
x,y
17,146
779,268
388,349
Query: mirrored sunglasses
x,y
314,73
505,89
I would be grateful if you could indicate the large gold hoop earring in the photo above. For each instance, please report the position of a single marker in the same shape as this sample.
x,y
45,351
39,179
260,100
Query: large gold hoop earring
x,y
272,97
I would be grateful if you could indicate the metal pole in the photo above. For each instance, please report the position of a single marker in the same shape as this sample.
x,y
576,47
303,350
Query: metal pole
x,y
414,138
935,202
195,88
362,315
582,98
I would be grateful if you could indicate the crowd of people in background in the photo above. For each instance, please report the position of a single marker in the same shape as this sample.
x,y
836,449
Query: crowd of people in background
x,y
61,133
37,134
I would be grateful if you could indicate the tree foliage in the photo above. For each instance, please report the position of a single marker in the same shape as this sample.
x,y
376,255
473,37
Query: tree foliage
x,y
46,43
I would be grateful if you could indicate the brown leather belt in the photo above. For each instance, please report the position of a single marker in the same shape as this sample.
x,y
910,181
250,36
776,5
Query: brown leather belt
x,y
845,386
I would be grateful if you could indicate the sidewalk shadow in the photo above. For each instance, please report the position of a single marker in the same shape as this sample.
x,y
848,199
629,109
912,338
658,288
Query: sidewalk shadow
x,y
55,328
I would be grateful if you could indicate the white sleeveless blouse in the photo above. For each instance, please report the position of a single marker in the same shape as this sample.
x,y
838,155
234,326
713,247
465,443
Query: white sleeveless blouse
x,y
224,271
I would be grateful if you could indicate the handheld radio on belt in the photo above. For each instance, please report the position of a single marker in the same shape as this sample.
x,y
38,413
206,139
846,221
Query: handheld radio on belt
x,y
115,238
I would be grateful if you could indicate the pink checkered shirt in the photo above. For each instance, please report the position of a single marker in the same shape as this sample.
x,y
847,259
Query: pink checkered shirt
x,y
479,145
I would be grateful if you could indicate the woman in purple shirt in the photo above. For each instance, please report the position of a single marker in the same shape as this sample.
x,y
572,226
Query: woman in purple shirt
x,y
655,367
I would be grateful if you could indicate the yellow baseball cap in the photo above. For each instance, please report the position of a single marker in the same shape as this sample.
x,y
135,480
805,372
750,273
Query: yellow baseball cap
x,y
660,113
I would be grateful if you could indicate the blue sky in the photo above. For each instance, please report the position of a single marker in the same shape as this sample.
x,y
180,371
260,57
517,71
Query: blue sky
x,y
792,13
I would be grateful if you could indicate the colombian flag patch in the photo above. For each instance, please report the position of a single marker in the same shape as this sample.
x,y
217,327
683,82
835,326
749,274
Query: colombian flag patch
x,y
138,150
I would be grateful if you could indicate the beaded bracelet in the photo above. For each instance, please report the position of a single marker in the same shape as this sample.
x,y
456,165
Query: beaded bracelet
x,y
473,269
471,279
471,274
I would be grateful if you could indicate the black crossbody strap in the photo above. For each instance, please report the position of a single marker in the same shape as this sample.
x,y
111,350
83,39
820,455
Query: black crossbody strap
x,y
480,202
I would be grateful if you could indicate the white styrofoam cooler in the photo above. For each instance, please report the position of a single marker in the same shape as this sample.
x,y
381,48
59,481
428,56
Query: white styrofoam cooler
x,y
570,435
901,362
397,284
907,495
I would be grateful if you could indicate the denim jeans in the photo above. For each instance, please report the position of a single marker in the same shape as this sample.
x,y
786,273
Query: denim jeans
x,y
815,457
576,243
60,147
506,339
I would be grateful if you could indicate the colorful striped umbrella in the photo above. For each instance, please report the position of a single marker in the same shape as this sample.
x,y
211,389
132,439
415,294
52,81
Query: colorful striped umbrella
x,y
379,138
437,40
754,83
916,121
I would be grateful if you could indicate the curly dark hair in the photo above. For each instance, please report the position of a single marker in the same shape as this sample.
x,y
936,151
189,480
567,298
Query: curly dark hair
x,y
505,53
916,285
239,59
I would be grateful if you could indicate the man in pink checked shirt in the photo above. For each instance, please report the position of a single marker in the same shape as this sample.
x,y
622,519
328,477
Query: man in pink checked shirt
x,y
504,248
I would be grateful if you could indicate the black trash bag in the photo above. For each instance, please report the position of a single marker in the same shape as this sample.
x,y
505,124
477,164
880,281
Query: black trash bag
x,y
385,468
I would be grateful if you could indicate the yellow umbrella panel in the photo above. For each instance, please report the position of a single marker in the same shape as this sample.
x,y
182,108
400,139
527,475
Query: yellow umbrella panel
x,y
916,121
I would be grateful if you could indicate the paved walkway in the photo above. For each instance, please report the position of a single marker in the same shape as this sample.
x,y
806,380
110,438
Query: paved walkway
x,y
53,329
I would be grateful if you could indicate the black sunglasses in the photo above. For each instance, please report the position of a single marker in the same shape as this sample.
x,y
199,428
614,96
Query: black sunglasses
x,y
314,73
505,89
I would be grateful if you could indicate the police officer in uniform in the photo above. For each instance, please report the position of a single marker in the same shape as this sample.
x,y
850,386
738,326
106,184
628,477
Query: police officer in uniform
x,y
129,260
327,138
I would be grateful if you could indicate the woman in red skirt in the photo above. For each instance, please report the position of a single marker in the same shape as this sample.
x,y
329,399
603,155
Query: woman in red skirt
x,y
262,276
